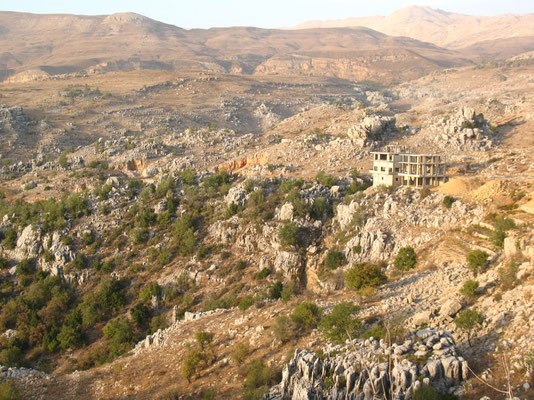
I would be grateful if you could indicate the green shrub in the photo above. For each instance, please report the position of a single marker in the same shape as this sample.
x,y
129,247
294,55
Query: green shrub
x,y
71,335
119,336
476,259
283,328
258,379
187,176
80,261
334,259
341,323
306,316
508,276
288,291
406,259
469,289
140,314
184,235
325,179
377,331
4,263
467,321
264,273
109,265
154,289
363,275
139,235
10,238
193,362
165,185
240,353
232,210
26,267
426,392
204,339
288,234
320,208
9,391
158,322
275,291
448,200
246,302
300,208
11,356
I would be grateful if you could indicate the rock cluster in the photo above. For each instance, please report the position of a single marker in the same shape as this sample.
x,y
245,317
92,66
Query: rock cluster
x,y
372,130
369,369
464,131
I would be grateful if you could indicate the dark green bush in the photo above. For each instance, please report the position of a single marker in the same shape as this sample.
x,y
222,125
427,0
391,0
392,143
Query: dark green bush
x,y
363,275
71,335
469,289
119,336
154,289
283,328
476,259
425,392
275,291
26,267
406,259
258,379
246,302
289,234
448,200
467,321
306,316
10,238
140,314
334,259
320,208
264,273
325,179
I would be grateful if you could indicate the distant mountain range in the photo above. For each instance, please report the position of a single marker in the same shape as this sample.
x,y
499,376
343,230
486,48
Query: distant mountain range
x,y
412,42
496,36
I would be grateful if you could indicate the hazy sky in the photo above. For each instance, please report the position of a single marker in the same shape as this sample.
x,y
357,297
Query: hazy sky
x,y
262,13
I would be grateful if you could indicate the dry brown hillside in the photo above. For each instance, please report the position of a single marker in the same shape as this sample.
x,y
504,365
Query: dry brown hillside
x,y
39,45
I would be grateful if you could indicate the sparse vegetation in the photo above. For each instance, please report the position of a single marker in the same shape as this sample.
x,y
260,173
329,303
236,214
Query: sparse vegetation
x,y
363,275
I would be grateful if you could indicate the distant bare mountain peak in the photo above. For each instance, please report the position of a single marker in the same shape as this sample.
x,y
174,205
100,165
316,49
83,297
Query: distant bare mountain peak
x,y
475,36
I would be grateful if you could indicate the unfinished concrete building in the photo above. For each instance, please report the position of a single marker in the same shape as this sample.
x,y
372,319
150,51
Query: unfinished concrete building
x,y
396,166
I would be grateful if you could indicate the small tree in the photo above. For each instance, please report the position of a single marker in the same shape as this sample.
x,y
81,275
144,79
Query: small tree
x,y
193,361
476,259
341,324
364,274
240,353
467,321
283,328
406,259
306,316
288,234
204,339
